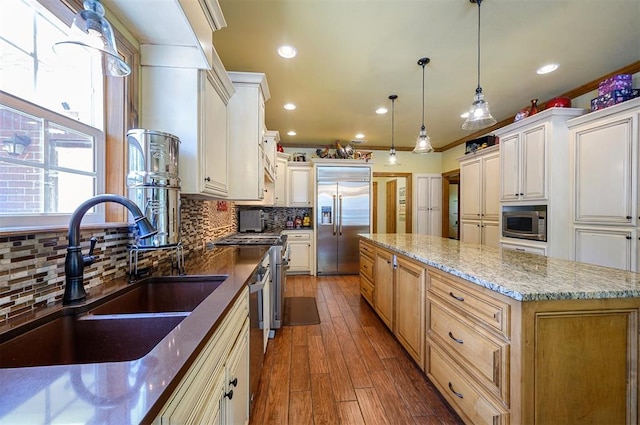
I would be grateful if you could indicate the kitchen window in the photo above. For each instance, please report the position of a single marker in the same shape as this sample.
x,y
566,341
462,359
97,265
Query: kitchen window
x,y
60,123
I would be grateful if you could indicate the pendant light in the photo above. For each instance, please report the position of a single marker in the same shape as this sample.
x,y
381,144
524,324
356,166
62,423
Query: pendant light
x,y
91,31
423,144
392,160
479,114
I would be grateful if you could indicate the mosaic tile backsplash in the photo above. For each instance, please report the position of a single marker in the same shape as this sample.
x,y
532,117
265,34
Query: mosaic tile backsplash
x,y
32,265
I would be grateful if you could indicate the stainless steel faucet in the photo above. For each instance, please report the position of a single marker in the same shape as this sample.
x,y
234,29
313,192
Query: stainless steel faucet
x,y
75,262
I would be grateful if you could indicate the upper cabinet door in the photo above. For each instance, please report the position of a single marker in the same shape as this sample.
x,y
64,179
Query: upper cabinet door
x,y
491,187
534,165
510,164
470,189
605,181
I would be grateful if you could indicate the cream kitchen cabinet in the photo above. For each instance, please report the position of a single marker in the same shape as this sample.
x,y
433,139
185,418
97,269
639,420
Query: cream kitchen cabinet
x,y
215,389
480,232
528,151
246,136
534,157
428,202
480,197
300,184
281,179
301,251
271,139
604,186
192,105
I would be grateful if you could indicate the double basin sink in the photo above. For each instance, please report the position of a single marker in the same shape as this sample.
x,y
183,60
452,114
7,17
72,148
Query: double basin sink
x,y
121,327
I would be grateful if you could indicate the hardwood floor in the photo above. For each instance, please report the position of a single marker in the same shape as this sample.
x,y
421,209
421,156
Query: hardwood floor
x,y
349,369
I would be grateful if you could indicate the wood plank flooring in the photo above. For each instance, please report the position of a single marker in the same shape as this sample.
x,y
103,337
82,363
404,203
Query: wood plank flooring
x,y
349,369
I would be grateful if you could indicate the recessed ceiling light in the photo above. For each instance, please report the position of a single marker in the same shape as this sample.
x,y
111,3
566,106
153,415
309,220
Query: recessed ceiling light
x,y
289,106
287,52
291,133
464,115
547,68
381,111
359,136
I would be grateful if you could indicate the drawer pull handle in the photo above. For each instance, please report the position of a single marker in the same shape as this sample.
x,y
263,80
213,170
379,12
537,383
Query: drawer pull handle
x,y
454,391
459,341
456,297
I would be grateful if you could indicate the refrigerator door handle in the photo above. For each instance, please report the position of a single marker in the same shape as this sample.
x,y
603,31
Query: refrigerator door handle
x,y
335,224
340,212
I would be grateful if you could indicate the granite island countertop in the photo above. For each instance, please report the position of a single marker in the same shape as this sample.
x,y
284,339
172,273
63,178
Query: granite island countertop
x,y
130,392
518,275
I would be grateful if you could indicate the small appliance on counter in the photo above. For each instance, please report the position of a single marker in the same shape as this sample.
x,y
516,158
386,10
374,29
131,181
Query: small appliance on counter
x,y
251,221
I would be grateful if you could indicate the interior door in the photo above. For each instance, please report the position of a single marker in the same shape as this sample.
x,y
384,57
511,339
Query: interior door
x,y
391,196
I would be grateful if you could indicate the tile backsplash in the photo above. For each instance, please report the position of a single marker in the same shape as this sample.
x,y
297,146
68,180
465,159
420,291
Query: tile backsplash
x,y
32,264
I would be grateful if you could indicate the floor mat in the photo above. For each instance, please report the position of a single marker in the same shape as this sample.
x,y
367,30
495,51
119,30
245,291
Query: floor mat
x,y
300,311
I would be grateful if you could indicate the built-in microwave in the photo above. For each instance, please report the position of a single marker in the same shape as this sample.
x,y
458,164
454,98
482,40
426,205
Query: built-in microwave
x,y
525,222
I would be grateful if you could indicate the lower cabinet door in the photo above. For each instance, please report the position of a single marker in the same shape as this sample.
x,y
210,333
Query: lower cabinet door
x,y
237,395
456,386
609,247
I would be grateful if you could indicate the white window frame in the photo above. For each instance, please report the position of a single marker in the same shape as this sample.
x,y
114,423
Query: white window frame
x,y
96,215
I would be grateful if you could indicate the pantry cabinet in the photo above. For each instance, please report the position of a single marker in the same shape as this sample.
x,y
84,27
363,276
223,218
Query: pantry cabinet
x,y
479,197
300,184
192,105
604,186
428,201
247,135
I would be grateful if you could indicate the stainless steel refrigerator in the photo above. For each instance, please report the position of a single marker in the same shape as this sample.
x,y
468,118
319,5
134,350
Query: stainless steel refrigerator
x,y
342,211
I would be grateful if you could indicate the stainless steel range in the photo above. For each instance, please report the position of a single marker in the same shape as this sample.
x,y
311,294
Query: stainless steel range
x,y
279,263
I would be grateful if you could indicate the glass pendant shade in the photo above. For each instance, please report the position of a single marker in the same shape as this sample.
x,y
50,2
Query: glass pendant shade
x,y
392,159
90,31
479,114
423,143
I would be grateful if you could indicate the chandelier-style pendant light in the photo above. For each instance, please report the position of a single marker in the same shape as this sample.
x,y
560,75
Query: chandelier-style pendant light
x,y
392,160
479,114
423,144
91,31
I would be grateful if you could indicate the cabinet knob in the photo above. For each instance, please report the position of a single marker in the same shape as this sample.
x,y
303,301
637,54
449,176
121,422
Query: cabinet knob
x,y
207,179
628,217
477,225
229,395
628,237
234,382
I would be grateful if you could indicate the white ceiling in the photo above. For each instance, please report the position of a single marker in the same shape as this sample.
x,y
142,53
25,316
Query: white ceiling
x,y
353,54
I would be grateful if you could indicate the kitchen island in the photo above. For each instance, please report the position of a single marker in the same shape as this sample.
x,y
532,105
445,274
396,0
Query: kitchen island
x,y
510,337
133,392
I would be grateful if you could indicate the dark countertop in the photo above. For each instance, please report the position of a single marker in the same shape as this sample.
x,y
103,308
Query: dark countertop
x,y
130,392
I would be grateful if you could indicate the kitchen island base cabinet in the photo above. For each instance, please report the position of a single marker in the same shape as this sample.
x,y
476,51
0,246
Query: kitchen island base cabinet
x,y
204,393
384,302
367,259
499,360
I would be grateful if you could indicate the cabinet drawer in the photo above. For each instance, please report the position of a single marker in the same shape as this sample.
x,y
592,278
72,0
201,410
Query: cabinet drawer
x,y
366,289
367,249
298,236
488,311
485,356
366,267
456,386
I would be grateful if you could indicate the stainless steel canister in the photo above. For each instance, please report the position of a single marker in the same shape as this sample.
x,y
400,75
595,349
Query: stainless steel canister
x,y
154,184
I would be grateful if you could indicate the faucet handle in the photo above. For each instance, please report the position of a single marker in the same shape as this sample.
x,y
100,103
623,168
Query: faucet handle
x,y
90,258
